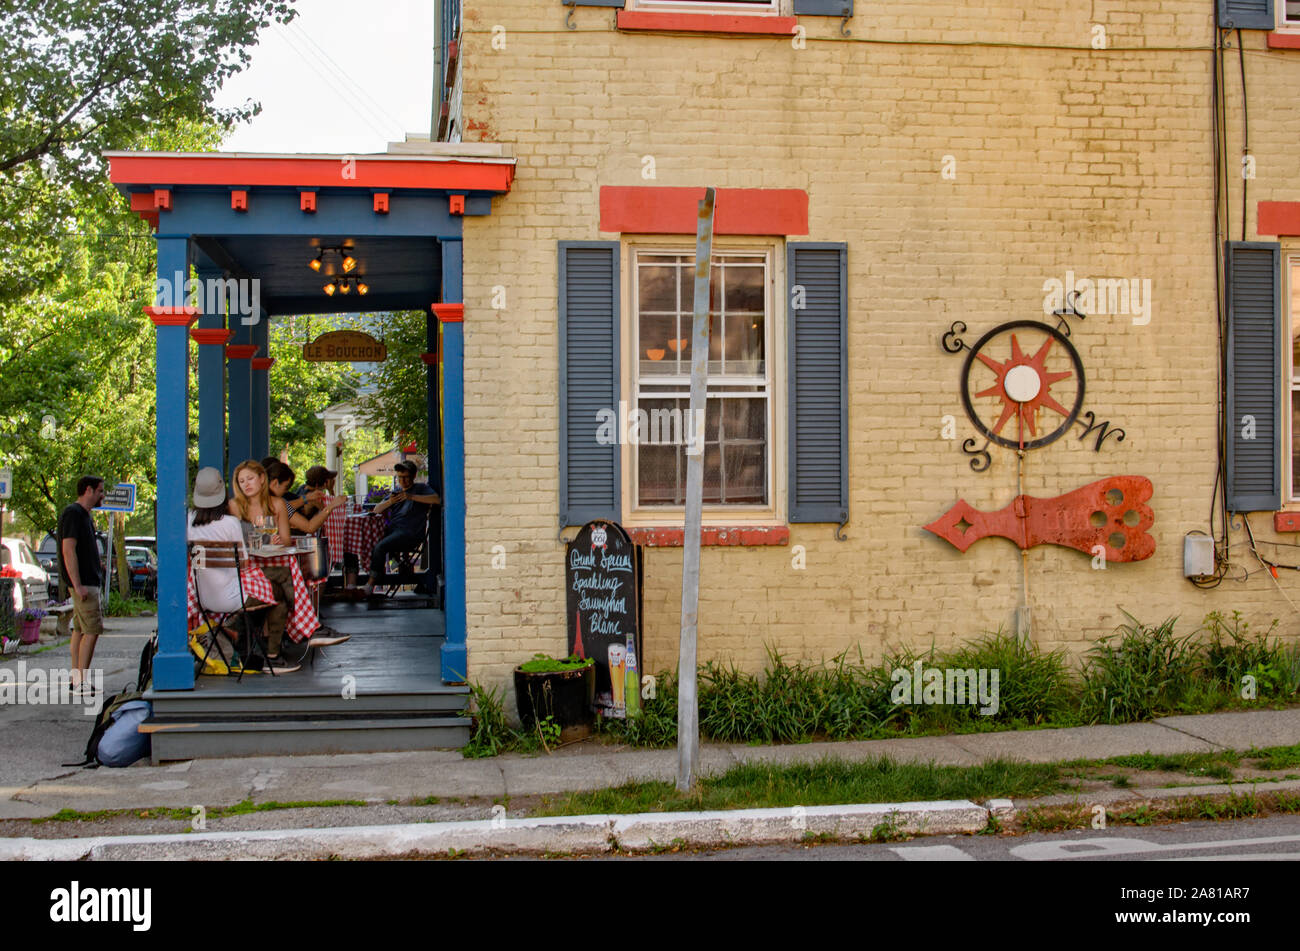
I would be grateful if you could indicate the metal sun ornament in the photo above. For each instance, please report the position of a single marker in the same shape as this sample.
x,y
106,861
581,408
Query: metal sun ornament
x,y
1109,515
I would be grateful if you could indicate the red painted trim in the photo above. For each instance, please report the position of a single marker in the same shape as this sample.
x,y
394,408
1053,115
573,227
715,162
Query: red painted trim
x,y
640,209
450,313
429,359
1284,41
211,335
144,169
240,351
145,205
705,22
238,200
263,363
1278,217
162,199
729,537
381,203
1286,521
456,204
307,202
172,316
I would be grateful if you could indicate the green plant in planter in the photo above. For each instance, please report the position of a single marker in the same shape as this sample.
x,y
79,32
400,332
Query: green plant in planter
x,y
546,664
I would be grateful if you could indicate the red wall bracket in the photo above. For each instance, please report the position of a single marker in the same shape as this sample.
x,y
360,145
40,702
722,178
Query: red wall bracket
x,y
456,204
238,200
307,202
381,203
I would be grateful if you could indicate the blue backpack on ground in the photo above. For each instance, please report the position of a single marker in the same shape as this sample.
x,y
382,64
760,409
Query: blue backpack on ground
x,y
123,743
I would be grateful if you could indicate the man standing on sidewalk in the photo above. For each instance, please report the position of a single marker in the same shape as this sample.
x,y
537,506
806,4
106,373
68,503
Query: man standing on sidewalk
x,y
79,566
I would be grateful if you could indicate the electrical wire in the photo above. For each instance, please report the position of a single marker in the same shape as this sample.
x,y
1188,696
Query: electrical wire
x,y
1245,132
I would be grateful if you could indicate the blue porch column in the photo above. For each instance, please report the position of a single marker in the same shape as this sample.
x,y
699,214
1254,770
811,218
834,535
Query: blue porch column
x,y
173,667
451,313
261,386
212,337
239,373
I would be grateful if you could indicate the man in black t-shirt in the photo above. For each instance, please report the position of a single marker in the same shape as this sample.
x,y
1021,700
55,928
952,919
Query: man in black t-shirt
x,y
79,567
410,503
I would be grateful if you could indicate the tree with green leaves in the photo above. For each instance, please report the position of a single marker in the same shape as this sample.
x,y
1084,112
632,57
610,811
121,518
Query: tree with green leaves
x,y
398,404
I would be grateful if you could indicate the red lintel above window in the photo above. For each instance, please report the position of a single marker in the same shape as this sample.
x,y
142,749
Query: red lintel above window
x,y
665,21
1279,217
740,537
635,209
1284,41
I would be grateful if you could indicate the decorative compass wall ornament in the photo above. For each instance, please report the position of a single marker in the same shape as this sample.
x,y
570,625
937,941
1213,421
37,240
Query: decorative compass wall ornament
x,y
1022,386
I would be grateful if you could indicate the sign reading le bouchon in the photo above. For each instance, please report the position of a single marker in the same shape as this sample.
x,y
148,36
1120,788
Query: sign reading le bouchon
x,y
345,346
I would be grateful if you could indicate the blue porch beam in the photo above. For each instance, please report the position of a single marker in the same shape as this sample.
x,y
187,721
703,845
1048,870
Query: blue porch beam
x,y
451,314
212,374
279,213
260,375
173,667
239,373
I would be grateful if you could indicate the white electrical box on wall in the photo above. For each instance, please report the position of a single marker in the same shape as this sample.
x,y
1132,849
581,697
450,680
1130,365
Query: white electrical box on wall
x,y
1198,556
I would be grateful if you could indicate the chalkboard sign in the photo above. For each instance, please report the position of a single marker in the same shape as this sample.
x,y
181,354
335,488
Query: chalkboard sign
x,y
602,579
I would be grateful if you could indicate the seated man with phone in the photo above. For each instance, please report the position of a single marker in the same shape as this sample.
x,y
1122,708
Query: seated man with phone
x,y
410,503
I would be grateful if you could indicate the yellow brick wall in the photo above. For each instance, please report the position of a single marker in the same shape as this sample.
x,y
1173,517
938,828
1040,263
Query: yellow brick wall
x,y
1067,158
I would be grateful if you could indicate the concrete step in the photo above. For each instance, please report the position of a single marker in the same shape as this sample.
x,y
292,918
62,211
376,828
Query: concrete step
x,y
175,740
235,702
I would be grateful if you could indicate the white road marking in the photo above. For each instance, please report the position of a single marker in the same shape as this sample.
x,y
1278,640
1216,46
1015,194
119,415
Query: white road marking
x,y
1093,848
932,853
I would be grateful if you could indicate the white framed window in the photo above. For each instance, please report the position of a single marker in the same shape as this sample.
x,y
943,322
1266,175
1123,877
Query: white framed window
x,y
1292,323
1288,14
739,444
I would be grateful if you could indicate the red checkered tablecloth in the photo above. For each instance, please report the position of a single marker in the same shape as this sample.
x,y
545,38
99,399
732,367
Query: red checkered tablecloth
x,y
334,530
303,622
361,534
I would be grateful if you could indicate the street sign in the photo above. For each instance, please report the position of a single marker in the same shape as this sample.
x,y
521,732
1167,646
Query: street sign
x,y
6,483
120,498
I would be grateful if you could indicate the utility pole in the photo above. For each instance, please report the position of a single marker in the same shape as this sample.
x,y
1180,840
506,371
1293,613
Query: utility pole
x,y
688,709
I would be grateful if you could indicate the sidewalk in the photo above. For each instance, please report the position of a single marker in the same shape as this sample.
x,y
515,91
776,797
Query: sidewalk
x,y
391,803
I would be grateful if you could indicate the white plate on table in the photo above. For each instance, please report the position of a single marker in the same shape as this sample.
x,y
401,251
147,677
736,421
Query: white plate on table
x,y
272,551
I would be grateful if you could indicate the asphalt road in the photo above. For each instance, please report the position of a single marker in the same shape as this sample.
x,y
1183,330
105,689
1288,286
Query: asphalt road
x,y
1275,838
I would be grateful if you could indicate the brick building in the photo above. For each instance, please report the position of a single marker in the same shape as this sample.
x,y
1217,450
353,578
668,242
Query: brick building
x,y
923,165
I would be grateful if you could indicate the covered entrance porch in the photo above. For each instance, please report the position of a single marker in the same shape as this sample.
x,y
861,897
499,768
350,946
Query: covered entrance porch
x,y
236,238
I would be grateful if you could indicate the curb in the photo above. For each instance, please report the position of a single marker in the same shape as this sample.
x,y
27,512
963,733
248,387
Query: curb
x,y
553,835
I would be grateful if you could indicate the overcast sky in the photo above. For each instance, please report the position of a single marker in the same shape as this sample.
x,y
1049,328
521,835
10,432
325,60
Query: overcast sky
x,y
343,77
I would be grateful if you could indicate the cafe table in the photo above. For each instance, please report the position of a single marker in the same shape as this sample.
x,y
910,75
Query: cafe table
x,y
303,621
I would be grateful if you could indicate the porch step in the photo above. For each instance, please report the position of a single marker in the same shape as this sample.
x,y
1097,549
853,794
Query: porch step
x,y
247,700
176,740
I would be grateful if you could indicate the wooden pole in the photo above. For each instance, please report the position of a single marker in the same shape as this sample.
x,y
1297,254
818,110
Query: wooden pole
x,y
688,711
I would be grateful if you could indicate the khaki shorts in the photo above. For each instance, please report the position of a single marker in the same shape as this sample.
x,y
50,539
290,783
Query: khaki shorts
x,y
87,617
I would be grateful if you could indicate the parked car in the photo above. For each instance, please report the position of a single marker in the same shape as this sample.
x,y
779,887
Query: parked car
x,y
144,572
48,558
34,590
143,541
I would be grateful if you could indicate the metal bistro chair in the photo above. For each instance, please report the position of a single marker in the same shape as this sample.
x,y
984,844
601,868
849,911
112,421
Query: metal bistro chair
x,y
225,555
407,561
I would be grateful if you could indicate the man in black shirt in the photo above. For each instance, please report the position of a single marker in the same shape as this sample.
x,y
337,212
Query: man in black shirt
x,y
406,525
79,566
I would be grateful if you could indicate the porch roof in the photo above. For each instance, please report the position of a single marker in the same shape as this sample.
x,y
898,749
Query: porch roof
x,y
266,216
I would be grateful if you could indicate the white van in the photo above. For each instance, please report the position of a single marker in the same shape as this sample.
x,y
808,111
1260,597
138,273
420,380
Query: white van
x,y
34,591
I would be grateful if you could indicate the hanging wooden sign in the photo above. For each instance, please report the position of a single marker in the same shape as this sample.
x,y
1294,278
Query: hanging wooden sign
x,y
345,346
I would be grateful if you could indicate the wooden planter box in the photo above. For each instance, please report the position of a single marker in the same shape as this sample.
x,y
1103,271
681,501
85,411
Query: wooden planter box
x,y
564,695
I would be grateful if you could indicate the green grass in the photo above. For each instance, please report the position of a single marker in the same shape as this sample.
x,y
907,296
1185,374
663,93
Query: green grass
x,y
1276,757
825,782
243,808
118,606
1218,764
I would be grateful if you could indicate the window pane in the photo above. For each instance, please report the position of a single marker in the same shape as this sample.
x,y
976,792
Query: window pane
x,y
1295,444
655,357
744,286
735,452
658,288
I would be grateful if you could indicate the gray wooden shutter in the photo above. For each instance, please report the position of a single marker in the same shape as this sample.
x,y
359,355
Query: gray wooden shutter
x,y
589,380
1254,457
1246,15
823,8
818,409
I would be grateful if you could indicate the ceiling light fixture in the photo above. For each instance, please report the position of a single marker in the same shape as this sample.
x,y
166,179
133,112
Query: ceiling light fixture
x,y
329,289
316,262
349,264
